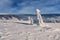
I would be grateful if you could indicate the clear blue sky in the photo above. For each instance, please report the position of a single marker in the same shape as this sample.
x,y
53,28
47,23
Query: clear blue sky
x,y
29,6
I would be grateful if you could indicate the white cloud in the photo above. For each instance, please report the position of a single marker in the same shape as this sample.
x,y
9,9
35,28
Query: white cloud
x,y
28,7
27,10
5,6
4,2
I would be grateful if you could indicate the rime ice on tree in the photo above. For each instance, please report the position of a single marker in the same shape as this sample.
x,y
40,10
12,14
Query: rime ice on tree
x,y
30,20
39,18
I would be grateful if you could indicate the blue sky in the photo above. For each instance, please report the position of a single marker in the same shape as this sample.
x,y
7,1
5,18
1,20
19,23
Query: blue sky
x,y
29,6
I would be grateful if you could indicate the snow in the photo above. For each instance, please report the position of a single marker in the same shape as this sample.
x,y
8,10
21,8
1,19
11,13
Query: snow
x,y
19,31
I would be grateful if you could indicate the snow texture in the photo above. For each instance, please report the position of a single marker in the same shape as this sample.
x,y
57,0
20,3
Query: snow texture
x,y
18,31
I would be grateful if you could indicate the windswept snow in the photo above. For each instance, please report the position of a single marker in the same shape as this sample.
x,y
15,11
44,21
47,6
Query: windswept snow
x,y
18,31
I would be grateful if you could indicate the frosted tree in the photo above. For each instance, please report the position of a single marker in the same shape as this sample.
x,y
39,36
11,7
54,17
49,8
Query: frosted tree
x,y
39,18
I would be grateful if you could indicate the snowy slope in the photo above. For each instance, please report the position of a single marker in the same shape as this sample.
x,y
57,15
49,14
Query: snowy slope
x,y
18,31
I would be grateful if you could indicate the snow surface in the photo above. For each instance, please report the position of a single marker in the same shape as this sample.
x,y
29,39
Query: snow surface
x,y
19,31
